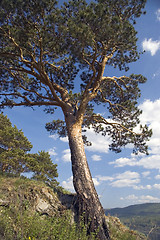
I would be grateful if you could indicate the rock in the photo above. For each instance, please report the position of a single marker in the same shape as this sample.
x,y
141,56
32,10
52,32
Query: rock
x,y
43,207
4,203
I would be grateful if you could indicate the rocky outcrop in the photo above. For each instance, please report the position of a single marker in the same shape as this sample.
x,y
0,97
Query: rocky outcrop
x,y
34,196
27,195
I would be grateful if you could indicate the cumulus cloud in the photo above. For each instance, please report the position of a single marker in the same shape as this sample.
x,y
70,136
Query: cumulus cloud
x,y
157,186
158,14
151,117
68,184
121,162
125,183
147,162
145,174
151,111
66,155
125,179
64,139
54,136
140,199
157,177
52,151
99,142
96,182
129,197
140,187
151,46
105,178
96,158
127,175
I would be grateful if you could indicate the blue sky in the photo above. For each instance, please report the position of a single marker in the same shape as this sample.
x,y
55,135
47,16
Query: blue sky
x,y
120,179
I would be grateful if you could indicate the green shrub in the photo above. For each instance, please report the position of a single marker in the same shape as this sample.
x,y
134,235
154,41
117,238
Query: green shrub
x,y
14,225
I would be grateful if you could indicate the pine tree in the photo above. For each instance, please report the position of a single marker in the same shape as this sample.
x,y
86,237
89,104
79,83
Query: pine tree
x,y
13,147
15,158
55,56
43,168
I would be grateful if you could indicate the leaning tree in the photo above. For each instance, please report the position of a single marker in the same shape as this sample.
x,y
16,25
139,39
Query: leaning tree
x,y
57,57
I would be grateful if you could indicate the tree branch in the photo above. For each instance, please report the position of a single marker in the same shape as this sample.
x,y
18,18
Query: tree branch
x,y
120,127
110,103
40,103
42,76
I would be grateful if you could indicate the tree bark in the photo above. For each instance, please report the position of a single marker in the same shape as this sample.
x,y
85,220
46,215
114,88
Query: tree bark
x,y
88,205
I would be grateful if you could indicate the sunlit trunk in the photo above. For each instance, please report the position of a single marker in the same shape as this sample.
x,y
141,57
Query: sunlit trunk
x,y
88,205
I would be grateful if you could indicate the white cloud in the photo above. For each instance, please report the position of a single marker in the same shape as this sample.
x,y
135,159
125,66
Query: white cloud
x,y
96,157
150,162
54,136
52,151
151,46
64,139
158,14
121,162
140,187
151,111
68,184
127,175
126,179
146,174
105,178
151,117
99,142
96,182
157,177
148,198
66,155
140,199
129,197
125,183
157,186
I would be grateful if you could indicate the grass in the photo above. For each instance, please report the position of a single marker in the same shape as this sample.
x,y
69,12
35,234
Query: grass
x,y
14,225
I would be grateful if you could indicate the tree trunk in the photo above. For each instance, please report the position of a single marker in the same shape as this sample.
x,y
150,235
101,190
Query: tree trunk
x,y
88,205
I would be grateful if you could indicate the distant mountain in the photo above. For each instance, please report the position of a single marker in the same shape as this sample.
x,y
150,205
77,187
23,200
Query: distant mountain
x,y
144,218
146,209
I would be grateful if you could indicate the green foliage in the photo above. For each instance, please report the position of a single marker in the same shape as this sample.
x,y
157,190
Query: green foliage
x,y
18,219
15,225
45,48
15,159
43,168
144,218
124,235
13,147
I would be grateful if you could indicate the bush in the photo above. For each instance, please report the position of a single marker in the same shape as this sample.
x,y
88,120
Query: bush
x,y
14,225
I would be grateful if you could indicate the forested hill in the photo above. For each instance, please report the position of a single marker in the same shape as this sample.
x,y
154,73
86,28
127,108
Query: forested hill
x,y
144,218
146,209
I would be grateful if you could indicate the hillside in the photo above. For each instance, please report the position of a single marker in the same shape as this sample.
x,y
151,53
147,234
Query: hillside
x,y
144,218
30,210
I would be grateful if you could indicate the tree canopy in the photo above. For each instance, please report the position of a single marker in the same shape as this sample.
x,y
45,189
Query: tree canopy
x,y
46,51
13,147
59,56
14,156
